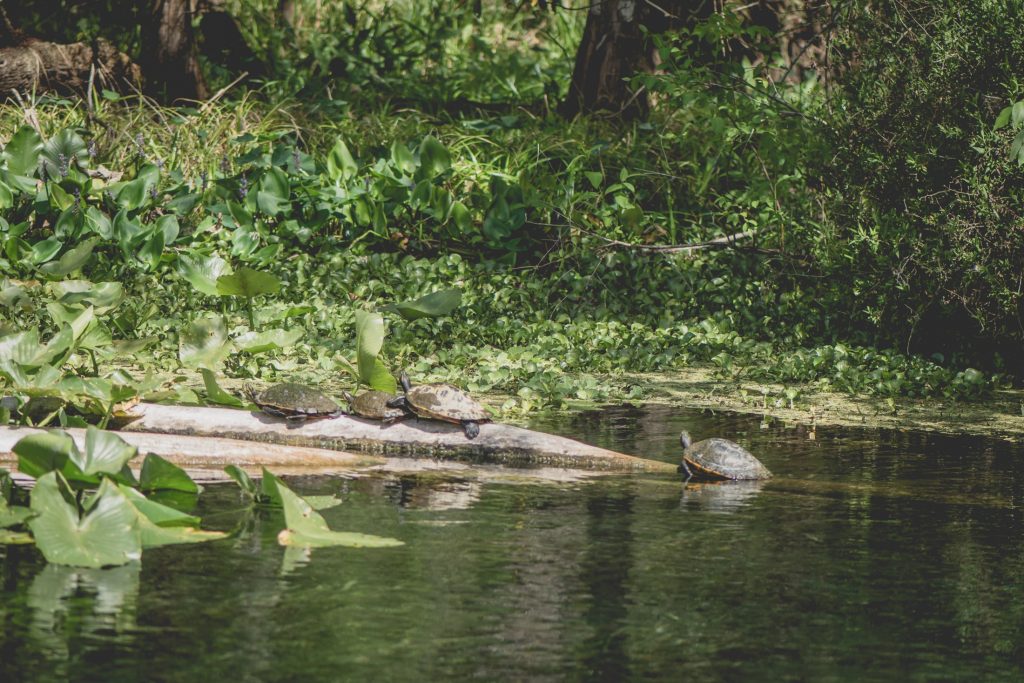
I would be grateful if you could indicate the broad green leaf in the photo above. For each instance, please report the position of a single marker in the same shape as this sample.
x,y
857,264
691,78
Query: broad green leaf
x,y
71,260
22,151
202,272
204,343
307,528
402,158
98,222
268,340
369,340
340,164
244,481
247,282
1003,118
275,183
434,157
107,534
102,296
159,474
152,249
1017,113
60,151
595,178
13,515
430,306
269,493
105,452
44,250
40,454
270,204
6,196
381,378
168,225
215,394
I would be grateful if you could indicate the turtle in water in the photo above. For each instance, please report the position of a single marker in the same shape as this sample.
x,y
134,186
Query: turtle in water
x,y
442,402
373,405
294,402
719,459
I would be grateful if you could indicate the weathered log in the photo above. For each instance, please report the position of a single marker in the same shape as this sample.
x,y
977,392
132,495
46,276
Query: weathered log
x,y
38,66
496,443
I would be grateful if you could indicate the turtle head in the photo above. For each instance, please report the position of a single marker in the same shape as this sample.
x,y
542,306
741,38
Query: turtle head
x,y
684,439
404,380
348,397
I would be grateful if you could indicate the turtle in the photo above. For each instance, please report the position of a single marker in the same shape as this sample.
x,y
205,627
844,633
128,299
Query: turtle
x,y
373,405
442,402
294,402
719,459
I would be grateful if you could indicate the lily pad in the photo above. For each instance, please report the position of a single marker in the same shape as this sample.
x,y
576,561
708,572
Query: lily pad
x,y
205,343
248,282
203,271
106,534
307,528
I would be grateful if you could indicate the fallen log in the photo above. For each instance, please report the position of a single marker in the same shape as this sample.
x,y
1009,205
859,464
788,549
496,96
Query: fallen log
x,y
497,443
40,66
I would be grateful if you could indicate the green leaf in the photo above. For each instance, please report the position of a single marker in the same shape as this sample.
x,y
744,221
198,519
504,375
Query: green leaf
x,y
168,225
1017,113
1003,118
595,178
307,528
369,340
214,394
340,164
247,282
152,249
156,512
434,158
40,454
244,481
461,217
58,152
205,343
105,452
6,196
268,340
13,515
430,306
98,222
107,534
275,183
71,260
22,152
44,250
202,272
159,474
381,378
102,296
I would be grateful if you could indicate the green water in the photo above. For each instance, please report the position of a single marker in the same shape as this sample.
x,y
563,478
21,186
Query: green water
x,y
870,556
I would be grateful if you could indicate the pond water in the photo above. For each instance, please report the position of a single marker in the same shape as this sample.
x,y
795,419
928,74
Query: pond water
x,y
870,556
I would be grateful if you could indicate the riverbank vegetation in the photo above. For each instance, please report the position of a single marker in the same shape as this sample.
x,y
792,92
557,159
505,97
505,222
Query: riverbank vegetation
x,y
848,221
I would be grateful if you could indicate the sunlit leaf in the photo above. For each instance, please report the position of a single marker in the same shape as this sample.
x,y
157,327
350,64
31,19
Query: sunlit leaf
x,y
204,343
40,454
102,296
268,340
430,306
214,393
381,378
369,340
71,260
159,474
13,515
244,481
434,157
248,282
21,154
340,164
14,538
44,250
306,527
105,452
202,272
60,151
107,534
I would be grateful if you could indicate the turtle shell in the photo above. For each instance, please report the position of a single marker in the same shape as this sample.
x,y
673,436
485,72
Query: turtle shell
x,y
445,402
374,405
293,400
724,459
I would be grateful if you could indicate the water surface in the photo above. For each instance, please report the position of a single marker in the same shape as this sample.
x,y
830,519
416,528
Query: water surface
x,y
870,556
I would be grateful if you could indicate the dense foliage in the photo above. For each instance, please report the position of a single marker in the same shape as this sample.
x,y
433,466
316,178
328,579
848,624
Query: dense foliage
x,y
245,235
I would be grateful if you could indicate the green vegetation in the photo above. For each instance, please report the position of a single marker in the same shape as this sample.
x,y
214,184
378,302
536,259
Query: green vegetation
x,y
431,212
89,510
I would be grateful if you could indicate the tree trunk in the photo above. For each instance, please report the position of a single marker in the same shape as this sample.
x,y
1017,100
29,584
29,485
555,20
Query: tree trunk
x,y
37,66
614,49
170,58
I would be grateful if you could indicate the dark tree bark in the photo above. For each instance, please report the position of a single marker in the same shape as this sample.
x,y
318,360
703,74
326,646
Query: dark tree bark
x,y
170,57
38,66
615,48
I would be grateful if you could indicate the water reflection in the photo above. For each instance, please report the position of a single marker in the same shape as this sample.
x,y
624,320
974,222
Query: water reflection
x,y
718,496
72,605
